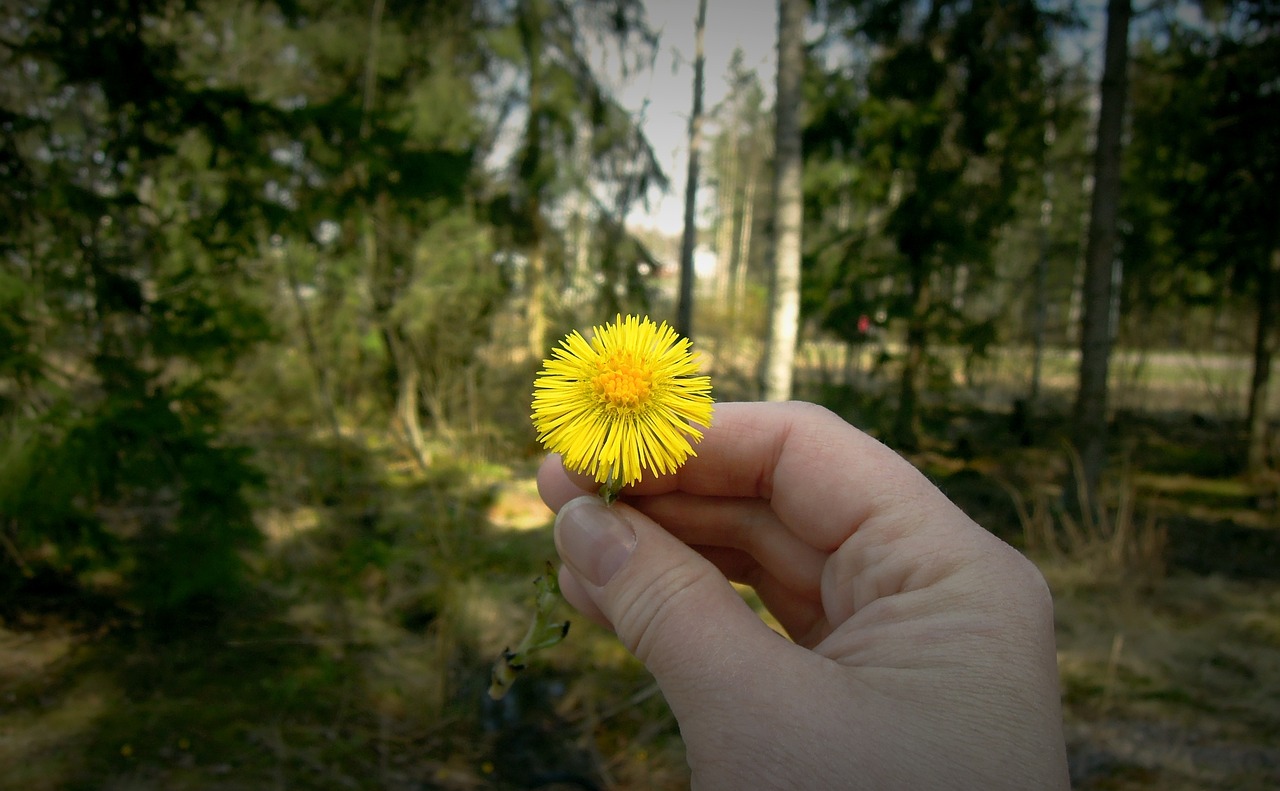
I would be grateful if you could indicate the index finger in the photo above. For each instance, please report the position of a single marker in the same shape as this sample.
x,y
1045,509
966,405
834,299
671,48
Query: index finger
x,y
821,476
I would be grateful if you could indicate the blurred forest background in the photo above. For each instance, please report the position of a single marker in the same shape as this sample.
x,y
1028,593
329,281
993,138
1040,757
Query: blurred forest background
x,y
277,276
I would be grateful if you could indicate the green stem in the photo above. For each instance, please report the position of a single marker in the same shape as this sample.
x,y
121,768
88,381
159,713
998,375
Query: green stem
x,y
542,633
610,490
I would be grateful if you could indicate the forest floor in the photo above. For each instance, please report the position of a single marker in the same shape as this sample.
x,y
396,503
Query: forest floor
x,y
1176,687
1167,607
382,595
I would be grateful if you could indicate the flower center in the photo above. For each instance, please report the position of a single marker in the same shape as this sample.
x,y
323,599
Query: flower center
x,y
622,383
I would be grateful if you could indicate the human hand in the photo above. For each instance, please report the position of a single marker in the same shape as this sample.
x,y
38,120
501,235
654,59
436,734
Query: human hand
x,y
923,653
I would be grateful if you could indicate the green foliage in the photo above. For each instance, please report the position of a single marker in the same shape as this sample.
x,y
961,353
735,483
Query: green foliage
x,y
130,300
20,365
926,119
1042,245
44,513
447,311
131,498
249,246
581,161
1203,164
262,202
928,154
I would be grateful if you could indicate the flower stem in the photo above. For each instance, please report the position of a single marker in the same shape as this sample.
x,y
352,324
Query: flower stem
x,y
610,490
543,633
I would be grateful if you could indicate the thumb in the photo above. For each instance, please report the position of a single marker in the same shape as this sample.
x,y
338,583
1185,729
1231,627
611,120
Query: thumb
x,y
669,605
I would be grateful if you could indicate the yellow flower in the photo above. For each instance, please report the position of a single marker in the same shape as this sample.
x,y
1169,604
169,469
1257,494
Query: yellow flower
x,y
627,400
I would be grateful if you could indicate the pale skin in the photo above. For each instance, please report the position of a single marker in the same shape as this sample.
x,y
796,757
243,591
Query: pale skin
x,y
922,647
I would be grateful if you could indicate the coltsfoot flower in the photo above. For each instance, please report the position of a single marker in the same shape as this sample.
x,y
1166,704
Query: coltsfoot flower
x,y
629,400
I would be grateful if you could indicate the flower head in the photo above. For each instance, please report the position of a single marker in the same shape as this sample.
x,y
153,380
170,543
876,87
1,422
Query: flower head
x,y
627,400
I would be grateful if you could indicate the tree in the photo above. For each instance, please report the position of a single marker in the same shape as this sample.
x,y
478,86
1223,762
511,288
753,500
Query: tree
x,y
688,240
1043,244
949,123
1096,329
740,153
557,91
784,292
128,277
1201,220
377,175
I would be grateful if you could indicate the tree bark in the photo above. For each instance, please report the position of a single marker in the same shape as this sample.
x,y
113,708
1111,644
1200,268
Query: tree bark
x,y
905,423
385,282
408,381
536,285
532,171
580,224
1263,352
726,231
684,306
742,255
784,293
1096,331
1040,318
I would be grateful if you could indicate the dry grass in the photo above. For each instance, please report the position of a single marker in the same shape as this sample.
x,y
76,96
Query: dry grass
x,y
1170,680
1169,687
1109,537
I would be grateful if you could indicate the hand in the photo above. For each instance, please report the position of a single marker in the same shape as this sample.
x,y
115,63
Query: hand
x,y
922,647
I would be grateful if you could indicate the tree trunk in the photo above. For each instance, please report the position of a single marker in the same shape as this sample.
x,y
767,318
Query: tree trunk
x,y
1040,318
536,290
534,175
370,79
318,366
684,306
408,380
1096,330
385,282
905,428
403,375
742,257
1263,351
580,224
784,294
726,231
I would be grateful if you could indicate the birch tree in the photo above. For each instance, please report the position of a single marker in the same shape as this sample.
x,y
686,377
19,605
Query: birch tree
x,y
784,291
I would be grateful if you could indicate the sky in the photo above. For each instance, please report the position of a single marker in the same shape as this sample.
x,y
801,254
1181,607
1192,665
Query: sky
x,y
665,92
668,87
